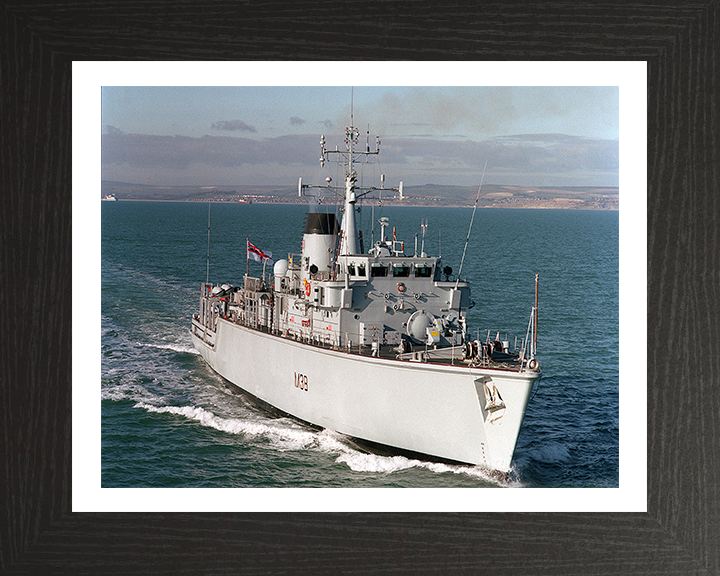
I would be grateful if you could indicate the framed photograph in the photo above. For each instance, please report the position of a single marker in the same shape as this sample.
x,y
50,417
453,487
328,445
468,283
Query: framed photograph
x,y
66,511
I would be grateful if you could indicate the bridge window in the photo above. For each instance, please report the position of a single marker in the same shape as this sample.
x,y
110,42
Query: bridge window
x,y
351,269
379,270
401,271
423,271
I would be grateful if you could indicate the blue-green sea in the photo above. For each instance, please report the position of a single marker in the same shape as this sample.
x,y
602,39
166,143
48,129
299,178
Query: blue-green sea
x,y
170,421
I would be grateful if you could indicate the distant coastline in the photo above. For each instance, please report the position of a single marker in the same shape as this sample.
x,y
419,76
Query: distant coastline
x,y
491,195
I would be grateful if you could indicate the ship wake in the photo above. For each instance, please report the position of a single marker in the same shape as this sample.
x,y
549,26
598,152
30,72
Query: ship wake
x,y
287,435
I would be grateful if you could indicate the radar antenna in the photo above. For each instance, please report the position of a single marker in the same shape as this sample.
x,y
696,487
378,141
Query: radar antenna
x,y
350,191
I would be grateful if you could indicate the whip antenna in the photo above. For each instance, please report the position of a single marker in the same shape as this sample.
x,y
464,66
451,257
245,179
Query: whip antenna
x,y
467,239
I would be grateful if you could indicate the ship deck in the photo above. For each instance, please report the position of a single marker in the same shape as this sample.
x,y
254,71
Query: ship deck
x,y
449,356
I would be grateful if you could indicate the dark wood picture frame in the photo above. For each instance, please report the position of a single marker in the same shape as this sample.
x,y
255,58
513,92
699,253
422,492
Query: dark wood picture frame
x,y
680,533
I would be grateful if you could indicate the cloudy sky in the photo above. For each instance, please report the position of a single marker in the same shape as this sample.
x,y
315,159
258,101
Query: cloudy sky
x,y
533,136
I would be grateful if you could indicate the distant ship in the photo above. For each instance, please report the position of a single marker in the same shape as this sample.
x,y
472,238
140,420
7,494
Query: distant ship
x,y
109,198
373,345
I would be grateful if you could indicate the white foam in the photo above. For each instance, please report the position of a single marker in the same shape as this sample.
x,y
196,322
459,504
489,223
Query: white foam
x,y
129,391
358,461
173,347
362,462
283,437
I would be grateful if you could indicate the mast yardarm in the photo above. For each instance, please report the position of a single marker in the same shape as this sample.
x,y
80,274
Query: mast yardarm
x,y
350,191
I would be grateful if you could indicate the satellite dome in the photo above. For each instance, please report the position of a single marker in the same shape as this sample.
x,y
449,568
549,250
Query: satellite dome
x,y
280,268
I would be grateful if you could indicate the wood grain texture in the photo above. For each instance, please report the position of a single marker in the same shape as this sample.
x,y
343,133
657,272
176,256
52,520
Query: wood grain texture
x,y
680,534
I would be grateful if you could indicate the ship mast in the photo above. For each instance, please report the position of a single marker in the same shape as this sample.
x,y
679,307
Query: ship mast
x,y
350,192
348,227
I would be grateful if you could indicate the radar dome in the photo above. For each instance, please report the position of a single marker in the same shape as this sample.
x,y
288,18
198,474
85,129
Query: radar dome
x,y
280,268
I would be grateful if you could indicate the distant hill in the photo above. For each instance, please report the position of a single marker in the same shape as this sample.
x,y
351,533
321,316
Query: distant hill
x,y
491,195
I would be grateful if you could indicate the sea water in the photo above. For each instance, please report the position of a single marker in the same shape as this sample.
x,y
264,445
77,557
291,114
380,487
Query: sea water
x,y
169,421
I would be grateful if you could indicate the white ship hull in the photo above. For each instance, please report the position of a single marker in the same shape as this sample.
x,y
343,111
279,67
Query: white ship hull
x,y
440,410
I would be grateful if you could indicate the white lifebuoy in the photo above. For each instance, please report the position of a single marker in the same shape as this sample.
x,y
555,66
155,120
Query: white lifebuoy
x,y
533,364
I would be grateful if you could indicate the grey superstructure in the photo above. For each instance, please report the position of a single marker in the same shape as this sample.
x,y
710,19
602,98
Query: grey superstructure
x,y
372,344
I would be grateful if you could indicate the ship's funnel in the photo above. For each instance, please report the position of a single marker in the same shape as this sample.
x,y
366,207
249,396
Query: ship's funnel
x,y
319,243
318,223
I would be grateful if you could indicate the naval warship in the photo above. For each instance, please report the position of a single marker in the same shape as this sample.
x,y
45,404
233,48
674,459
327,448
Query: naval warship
x,y
372,344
